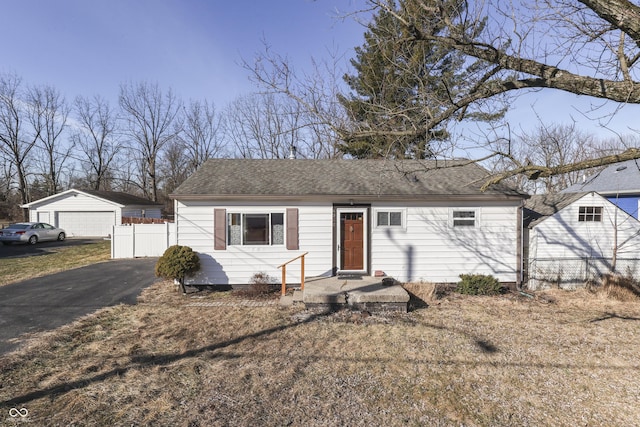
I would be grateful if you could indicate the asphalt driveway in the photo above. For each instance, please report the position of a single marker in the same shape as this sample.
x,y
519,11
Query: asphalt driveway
x,y
17,250
49,302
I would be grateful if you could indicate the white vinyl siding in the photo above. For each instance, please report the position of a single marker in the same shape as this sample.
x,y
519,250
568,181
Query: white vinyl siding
x,y
425,248
564,250
237,264
563,235
79,214
430,249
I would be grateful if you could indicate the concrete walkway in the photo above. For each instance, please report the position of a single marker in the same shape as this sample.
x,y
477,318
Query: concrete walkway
x,y
354,292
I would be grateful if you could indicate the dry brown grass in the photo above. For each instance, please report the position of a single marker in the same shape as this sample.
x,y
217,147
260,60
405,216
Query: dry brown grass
x,y
17,269
564,358
620,288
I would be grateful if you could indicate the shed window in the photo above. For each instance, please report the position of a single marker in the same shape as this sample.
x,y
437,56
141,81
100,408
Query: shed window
x,y
464,218
590,214
389,219
256,229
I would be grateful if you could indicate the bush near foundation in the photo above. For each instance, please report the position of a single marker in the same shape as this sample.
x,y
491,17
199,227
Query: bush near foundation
x,y
478,284
176,263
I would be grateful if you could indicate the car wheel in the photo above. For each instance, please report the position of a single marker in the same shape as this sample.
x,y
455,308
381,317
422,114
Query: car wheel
x,y
61,237
33,240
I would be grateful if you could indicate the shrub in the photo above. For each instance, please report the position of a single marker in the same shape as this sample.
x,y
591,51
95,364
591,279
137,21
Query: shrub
x,y
261,284
621,288
478,284
176,263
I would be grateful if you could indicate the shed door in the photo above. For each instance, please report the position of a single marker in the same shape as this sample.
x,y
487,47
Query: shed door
x,y
352,236
43,217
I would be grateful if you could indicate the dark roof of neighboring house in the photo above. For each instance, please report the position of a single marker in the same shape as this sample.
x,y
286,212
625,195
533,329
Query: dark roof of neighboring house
x,y
339,177
540,206
121,198
623,177
117,197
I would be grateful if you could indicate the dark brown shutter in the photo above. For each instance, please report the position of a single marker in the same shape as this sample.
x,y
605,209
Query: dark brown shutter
x,y
220,229
292,229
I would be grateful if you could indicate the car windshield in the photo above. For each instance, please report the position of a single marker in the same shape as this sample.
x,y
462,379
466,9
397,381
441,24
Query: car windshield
x,y
19,226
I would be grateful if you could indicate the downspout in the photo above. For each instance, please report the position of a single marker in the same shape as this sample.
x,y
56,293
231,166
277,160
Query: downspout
x,y
520,247
175,221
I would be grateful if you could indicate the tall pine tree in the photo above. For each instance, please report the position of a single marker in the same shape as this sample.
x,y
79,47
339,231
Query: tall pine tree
x,y
400,84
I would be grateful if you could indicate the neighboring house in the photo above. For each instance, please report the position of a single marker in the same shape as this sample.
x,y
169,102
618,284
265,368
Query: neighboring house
x,y
619,183
411,220
570,239
90,213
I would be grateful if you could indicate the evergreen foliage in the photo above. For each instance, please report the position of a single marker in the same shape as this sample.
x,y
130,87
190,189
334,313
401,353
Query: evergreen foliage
x,y
478,284
401,84
176,263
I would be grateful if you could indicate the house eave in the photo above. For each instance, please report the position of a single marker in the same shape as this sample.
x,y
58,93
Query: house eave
x,y
350,198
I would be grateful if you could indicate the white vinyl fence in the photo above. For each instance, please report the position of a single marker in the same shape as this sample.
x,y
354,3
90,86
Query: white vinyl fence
x,y
142,240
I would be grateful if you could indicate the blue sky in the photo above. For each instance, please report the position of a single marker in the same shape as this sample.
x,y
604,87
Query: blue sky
x,y
88,47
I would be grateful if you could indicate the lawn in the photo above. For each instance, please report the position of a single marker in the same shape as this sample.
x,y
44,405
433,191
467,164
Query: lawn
x,y
16,269
562,358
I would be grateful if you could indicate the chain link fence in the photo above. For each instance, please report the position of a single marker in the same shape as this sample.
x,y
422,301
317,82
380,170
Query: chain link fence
x,y
572,273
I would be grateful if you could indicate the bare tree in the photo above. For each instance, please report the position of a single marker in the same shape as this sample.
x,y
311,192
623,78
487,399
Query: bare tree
x,y
172,166
261,126
97,138
201,134
312,99
18,136
584,47
49,112
549,145
152,120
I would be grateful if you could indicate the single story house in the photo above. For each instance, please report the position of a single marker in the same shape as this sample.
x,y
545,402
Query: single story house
x,y
407,219
619,183
90,213
571,238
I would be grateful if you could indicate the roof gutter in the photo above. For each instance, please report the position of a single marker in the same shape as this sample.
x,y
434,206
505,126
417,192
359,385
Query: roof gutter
x,y
346,198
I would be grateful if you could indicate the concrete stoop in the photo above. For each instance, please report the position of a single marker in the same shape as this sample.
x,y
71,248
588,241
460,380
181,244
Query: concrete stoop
x,y
358,293
291,300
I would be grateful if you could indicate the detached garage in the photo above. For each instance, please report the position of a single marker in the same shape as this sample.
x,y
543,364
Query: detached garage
x,y
90,213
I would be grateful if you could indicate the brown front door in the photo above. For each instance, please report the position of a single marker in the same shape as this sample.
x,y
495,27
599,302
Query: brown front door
x,y
352,233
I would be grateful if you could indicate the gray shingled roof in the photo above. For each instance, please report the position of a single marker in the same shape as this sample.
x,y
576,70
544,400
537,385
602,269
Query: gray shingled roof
x,y
338,177
623,177
121,198
541,206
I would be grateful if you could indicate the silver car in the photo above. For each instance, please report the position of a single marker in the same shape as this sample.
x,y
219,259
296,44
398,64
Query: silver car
x,y
30,232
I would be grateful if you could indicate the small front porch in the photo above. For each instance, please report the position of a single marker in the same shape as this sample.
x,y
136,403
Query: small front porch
x,y
373,294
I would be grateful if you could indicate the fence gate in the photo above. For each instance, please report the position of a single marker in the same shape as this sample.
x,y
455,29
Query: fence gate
x,y
142,240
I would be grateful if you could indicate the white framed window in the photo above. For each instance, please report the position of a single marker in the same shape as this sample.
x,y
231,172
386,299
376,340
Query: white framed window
x,y
464,218
393,218
252,229
590,214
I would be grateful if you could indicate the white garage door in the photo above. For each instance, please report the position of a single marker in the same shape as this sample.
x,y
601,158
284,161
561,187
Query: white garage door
x,y
86,224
